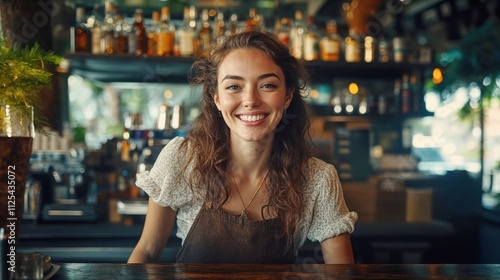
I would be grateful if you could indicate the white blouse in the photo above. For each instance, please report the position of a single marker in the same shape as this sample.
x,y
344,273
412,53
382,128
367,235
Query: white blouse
x,y
325,211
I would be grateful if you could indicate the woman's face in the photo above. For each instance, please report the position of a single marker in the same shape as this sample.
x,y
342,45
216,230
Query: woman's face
x,y
251,94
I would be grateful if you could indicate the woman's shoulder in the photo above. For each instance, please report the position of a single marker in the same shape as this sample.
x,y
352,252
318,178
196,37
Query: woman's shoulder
x,y
319,173
316,166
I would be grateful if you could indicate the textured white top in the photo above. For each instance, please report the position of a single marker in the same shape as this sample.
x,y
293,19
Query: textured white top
x,y
325,212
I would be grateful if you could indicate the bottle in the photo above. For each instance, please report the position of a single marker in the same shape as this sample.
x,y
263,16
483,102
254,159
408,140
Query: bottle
x,y
204,35
80,33
253,21
297,33
369,49
396,101
283,31
121,34
187,32
95,22
384,52
352,47
406,95
166,34
233,27
138,33
219,33
331,43
107,31
398,49
382,104
311,40
153,30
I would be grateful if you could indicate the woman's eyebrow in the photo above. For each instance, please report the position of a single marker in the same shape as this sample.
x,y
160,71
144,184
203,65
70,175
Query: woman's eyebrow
x,y
232,77
268,76
263,76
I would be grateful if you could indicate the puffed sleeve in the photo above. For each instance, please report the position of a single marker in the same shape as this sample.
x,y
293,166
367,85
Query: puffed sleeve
x,y
330,214
162,183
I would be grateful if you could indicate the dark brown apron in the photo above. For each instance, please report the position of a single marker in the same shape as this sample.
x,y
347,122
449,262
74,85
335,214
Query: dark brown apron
x,y
219,237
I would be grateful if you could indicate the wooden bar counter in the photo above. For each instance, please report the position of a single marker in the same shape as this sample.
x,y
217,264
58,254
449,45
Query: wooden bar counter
x,y
297,271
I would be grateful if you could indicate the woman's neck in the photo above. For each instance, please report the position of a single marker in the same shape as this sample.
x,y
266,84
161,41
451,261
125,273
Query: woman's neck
x,y
250,159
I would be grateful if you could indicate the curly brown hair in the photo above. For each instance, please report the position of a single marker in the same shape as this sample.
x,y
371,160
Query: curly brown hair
x,y
209,134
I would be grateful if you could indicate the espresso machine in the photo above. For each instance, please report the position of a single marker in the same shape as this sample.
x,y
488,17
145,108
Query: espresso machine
x,y
58,188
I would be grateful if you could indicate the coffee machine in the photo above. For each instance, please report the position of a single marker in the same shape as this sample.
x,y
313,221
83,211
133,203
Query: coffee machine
x,y
58,188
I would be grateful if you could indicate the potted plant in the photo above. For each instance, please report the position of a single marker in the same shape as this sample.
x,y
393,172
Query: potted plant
x,y
24,73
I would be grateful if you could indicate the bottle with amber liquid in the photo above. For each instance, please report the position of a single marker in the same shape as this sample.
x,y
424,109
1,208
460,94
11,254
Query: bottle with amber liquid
x,y
311,40
138,33
253,22
153,30
331,43
204,36
121,36
166,34
233,25
219,33
80,33
107,29
352,47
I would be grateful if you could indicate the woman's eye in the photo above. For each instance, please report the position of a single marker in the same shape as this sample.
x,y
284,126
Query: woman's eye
x,y
232,87
268,86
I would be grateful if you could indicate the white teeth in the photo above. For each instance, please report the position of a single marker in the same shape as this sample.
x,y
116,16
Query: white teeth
x,y
251,118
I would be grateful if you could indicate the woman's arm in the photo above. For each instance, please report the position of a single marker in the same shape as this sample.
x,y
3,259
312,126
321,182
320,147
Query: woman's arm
x,y
337,250
157,228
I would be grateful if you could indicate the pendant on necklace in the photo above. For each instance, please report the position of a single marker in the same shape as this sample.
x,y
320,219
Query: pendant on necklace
x,y
244,215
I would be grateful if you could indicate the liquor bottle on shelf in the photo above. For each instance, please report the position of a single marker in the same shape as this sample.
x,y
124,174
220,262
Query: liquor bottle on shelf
x,y
337,104
382,104
369,49
187,32
396,97
254,21
398,49
121,34
414,89
138,33
153,30
80,33
352,47
311,40
297,33
107,29
384,51
166,35
233,26
95,22
363,105
282,31
204,35
331,43
372,104
219,30
406,95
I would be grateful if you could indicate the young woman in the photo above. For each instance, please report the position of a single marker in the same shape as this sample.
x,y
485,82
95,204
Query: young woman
x,y
242,185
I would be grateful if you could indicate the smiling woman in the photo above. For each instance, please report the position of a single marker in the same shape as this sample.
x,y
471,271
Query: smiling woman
x,y
243,185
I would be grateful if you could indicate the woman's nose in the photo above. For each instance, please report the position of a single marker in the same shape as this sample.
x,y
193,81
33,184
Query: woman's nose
x,y
251,98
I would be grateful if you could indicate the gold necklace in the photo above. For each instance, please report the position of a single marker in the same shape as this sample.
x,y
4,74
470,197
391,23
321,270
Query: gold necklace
x,y
244,212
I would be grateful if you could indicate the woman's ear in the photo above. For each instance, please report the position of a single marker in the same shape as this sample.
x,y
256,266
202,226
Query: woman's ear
x,y
216,100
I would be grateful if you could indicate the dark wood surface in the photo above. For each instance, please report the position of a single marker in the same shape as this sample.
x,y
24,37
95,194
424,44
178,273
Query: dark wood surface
x,y
256,272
